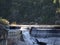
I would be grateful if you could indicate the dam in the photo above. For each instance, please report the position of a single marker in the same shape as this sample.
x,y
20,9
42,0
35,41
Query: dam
x,y
37,34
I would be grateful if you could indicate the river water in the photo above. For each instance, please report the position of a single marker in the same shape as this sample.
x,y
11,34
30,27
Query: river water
x,y
47,37
27,38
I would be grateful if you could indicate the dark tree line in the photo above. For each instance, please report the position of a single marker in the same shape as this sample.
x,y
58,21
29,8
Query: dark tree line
x,y
29,11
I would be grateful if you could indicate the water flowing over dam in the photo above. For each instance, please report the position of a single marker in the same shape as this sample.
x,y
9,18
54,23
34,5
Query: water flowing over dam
x,y
36,35
41,36
50,36
27,38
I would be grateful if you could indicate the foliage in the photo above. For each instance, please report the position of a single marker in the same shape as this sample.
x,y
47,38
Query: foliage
x,y
27,11
54,1
13,23
4,21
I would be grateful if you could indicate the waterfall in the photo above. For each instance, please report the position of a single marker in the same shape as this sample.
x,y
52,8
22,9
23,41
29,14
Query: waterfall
x,y
27,38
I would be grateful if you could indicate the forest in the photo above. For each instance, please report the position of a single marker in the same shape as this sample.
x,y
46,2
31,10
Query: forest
x,y
46,12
